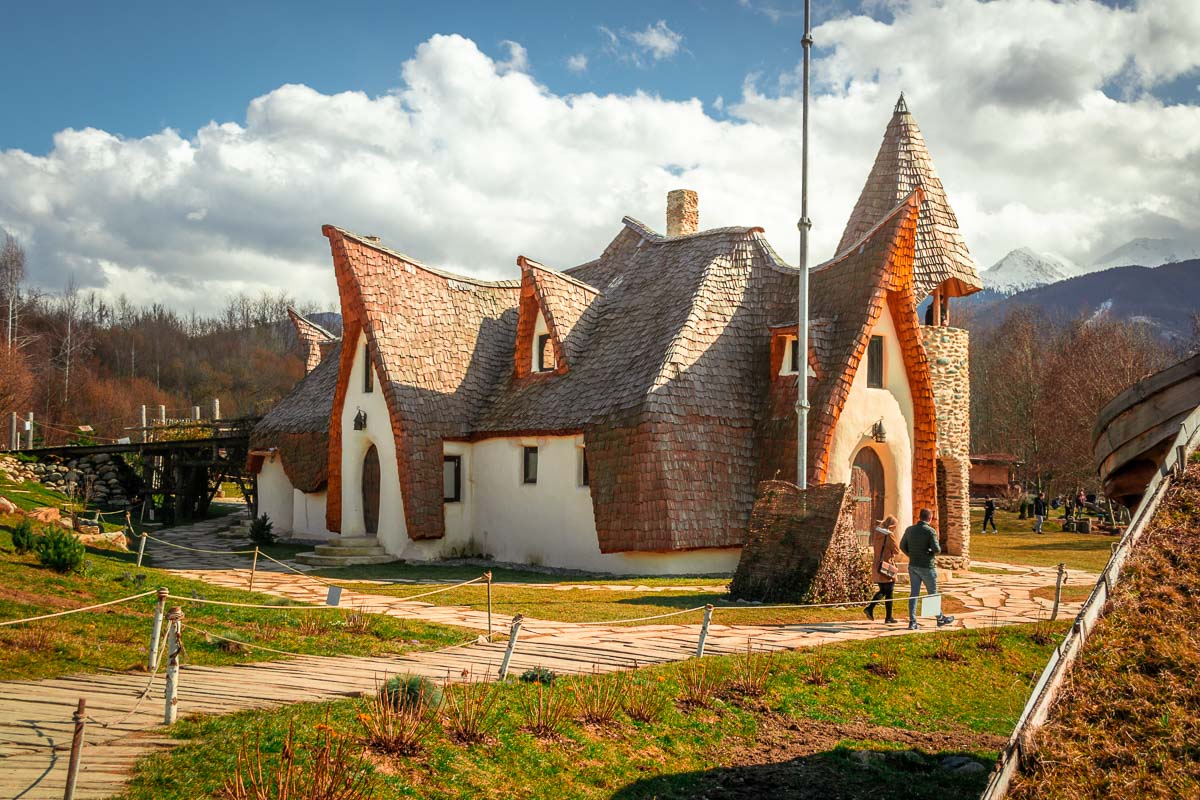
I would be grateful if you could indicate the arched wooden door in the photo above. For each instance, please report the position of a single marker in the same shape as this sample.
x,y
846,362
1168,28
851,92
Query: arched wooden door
x,y
866,486
370,490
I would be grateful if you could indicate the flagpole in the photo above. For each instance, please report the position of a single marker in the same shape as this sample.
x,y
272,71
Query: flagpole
x,y
804,225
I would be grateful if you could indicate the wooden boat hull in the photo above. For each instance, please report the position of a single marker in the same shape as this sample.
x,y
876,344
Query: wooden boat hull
x,y
1135,430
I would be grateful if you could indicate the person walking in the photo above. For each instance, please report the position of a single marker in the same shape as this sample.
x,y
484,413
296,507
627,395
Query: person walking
x,y
885,548
920,544
989,514
1039,511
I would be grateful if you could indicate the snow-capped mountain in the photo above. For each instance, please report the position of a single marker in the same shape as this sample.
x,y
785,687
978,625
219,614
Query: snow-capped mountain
x,y
1145,252
1024,269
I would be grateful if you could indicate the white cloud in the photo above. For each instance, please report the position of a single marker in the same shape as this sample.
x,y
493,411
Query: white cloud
x,y
577,63
657,40
470,161
518,58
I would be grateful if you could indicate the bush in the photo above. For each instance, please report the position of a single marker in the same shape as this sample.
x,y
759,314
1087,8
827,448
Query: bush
x,y
411,691
60,551
261,530
23,536
540,675
399,729
470,711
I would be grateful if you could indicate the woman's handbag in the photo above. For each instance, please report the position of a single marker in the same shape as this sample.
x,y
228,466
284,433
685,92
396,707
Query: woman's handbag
x,y
886,568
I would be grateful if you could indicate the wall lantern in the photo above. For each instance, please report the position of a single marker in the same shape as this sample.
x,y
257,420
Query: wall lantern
x,y
878,433
360,420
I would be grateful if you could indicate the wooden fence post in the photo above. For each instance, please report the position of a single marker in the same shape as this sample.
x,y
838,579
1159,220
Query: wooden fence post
x,y
80,717
156,627
174,648
513,631
14,435
196,413
1062,573
253,568
488,575
144,438
29,431
141,548
216,408
708,612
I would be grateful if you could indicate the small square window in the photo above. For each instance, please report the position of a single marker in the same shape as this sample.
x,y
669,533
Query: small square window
x,y
529,464
452,479
545,351
368,372
875,363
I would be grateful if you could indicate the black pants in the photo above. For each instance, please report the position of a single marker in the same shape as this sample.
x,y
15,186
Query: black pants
x,y
988,516
884,593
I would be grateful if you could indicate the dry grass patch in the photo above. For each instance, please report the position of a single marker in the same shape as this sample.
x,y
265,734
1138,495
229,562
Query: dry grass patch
x,y
469,710
328,769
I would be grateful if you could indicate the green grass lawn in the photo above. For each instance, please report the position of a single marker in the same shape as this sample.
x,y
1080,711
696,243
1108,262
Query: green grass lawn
x,y
857,736
117,637
1016,543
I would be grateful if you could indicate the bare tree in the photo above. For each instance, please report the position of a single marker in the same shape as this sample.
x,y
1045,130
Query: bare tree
x,y
74,338
12,274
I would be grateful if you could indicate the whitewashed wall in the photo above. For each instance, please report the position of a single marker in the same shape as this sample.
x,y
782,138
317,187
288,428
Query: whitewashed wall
x,y
864,407
308,516
275,494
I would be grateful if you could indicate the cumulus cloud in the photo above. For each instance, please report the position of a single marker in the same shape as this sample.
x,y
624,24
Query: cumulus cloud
x,y
657,40
577,63
470,161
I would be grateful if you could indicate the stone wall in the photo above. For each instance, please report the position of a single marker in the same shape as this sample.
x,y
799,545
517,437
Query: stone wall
x,y
802,547
949,365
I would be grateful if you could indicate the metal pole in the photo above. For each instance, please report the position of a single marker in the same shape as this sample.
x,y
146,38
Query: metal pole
x,y
80,717
29,431
708,612
488,575
14,436
196,413
156,628
253,567
1062,573
513,631
174,648
805,226
141,549
216,408
162,415
143,422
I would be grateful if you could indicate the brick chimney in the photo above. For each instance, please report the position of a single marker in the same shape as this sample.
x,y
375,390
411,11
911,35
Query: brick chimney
x,y
683,212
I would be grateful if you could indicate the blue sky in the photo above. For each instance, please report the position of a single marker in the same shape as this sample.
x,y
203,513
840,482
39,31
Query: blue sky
x,y
464,133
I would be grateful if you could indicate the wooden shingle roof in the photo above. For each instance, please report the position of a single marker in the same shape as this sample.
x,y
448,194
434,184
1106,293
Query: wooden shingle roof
x,y
903,165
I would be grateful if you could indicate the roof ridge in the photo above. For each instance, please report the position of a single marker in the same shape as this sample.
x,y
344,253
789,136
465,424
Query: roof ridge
x,y
441,273
523,261
297,316
653,237
839,257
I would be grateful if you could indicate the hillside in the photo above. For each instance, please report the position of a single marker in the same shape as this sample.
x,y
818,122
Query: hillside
x,y
1167,297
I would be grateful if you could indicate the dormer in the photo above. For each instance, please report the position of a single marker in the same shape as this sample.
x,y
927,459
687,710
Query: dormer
x,y
785,356
550,309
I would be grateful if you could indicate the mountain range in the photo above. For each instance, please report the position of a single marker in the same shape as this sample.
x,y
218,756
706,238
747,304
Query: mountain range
x,y
1023,268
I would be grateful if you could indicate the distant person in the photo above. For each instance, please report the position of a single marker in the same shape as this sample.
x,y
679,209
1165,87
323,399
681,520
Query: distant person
x,y
929,314
989,514
884,548
1039,511
920,544
1024,506
1081,501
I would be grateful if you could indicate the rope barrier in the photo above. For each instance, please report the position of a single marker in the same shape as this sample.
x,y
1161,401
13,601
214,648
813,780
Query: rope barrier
x,y
303,607
297,571
146,692
199,549
850,604
77,610
635,619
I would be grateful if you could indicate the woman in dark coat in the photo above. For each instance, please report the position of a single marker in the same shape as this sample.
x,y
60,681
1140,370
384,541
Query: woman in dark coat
x,y
884,549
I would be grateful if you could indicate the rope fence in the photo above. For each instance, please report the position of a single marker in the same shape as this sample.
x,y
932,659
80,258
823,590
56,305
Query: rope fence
x,y
77,610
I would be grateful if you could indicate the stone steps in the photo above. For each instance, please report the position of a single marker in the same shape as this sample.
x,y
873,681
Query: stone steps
x,y
346,551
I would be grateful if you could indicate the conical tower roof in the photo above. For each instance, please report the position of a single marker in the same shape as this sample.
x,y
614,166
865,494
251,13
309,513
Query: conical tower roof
x,y
902,165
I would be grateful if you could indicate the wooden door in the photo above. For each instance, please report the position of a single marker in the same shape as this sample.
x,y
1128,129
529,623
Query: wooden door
x,y
370,490
866,486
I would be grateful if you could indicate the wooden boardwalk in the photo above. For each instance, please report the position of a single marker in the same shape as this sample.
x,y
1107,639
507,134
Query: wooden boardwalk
x,y
36,716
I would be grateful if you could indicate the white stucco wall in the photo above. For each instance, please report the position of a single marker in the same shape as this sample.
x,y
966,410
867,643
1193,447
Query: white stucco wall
x,y
308,516
864,407
393,532
275,494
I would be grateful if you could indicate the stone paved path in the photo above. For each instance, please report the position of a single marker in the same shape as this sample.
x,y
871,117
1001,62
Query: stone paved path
x,y
35,716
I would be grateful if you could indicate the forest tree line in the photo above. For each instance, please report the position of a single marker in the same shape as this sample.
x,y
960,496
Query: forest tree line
x,y
74,358
1038,384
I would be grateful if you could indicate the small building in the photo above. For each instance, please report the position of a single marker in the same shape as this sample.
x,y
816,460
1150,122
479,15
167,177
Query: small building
x,y
992,474
619,415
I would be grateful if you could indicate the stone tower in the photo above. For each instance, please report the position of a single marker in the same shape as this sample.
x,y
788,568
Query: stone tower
x,y
943,268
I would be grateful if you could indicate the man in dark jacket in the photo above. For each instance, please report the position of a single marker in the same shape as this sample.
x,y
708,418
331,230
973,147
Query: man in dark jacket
x,y
989,515
1039,511
920,544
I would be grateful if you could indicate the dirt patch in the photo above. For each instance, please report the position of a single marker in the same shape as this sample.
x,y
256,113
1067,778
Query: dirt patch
x,y
14,595
803,759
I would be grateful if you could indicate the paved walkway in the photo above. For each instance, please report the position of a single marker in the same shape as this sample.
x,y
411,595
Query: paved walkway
x,y
35,716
